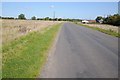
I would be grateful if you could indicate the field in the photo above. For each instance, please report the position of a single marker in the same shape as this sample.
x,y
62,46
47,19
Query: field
x,y
13,29
0,49
107,29
25,46
105,26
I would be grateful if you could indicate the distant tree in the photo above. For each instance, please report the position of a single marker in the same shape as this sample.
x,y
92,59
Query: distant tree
x,y
112,19
68,19
59,19
99,19
38,18
50,19
46,18
63,19
7,17
21,16
55,19
33,18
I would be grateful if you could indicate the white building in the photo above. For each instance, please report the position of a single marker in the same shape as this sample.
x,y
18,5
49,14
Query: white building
x,y
85,21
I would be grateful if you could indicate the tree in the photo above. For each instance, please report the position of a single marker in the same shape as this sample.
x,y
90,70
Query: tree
x,y
112,19
21,16
7,17
59,19
99,19
47,18
33,18
38,18
50,19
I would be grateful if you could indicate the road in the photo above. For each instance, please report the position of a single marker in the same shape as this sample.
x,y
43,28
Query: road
x,y
81,52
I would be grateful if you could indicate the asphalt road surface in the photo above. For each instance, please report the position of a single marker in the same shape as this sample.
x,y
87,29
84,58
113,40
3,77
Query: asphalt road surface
x,y
82,53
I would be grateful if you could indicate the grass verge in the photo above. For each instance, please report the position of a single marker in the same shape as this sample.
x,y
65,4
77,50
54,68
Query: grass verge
x,y
109,32
23,58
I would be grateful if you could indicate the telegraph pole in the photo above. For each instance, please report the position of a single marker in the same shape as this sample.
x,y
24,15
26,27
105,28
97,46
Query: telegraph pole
x,y
119,7
54,16
52,6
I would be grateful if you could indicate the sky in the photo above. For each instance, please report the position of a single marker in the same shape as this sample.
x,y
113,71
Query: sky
x,y
79,10
60,0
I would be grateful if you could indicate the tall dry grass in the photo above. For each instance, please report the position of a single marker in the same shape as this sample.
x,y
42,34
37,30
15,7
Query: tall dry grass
x,y
105,26
13,29
0,49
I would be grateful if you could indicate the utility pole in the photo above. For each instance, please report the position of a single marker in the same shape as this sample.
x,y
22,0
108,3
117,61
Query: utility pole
x,y
52,6
119,7
54,16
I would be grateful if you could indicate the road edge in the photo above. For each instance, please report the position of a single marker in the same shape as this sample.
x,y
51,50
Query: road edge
x,y
51,51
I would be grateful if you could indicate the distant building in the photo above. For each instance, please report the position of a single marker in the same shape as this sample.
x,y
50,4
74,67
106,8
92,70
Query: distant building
x,y
92,21
85,21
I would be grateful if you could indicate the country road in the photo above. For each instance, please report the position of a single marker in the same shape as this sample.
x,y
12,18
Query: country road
x,y
81,52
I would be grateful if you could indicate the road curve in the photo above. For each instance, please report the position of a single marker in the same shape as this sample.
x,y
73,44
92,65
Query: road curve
x,y
82,53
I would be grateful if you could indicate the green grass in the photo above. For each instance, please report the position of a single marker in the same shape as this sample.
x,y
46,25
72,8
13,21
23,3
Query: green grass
x,y
109,32
24,57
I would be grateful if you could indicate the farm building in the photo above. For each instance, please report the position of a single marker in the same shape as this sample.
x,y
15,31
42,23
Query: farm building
x,y
92,21
85,21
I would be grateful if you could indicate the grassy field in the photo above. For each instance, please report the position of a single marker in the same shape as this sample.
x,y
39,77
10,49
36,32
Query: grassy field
x,y
109,31
104,26
13,29
0,49
24,57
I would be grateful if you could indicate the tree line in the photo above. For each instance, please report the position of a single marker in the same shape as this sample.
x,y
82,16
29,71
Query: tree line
x,y
22,17
111,19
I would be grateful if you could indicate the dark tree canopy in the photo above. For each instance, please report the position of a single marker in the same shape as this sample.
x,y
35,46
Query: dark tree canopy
x,y
33,18
47,18
99,18
21,16
113,20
